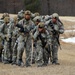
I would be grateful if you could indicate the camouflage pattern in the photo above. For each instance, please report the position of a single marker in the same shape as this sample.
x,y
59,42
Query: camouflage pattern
x,y
20,49
15,36
25,39
36,14
4,15
4,35
20,15
55,29
27,12
42,40
13,33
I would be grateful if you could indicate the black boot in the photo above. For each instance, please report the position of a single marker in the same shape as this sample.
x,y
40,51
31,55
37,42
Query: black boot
x,y
56,63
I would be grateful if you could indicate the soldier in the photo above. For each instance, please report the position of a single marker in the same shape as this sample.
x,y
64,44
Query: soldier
x,y
1,45
14,33
42,38
20,15
4,15
1,22
5,37
24,40
36,20
55,27
36,14
1,48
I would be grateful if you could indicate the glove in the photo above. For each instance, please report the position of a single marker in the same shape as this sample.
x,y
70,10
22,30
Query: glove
x,y
32,37
6,37
46,46
56,28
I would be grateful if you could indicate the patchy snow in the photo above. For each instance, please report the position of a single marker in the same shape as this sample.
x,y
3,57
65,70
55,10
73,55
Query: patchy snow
x,y
69,40
69,30
70,20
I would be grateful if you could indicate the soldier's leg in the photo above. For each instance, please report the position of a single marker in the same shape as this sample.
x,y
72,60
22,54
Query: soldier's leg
x,y
1,48
14,50
9,52
55,53
20,51
6,47
28,52
46,55
39,56
14,55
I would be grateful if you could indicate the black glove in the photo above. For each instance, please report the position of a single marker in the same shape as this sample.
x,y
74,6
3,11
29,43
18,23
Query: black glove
x,y
46,46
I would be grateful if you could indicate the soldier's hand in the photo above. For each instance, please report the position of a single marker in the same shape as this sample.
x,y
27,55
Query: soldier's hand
x,y
46,46
56,28
7,37
32,38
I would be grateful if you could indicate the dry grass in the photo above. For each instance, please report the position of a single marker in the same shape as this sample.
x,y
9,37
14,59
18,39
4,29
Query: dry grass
x,y
11,15
66,59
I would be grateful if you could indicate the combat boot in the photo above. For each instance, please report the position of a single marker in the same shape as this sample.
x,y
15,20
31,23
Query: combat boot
x,y
56,63
20,63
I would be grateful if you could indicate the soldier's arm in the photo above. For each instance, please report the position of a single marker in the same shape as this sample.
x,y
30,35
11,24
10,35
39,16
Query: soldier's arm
x,y
35,35
20,24
10,30
48,37
1,31
32,26
61,28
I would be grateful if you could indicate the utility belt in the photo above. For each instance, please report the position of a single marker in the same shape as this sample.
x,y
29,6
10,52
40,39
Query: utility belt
x,y
24,34
21,41
14,37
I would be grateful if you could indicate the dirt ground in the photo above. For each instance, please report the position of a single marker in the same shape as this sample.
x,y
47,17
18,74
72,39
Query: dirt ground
x,y
66,59
66,67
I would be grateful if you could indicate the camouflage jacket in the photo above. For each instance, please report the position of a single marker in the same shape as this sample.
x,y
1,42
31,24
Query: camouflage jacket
x,y
25,26
42,38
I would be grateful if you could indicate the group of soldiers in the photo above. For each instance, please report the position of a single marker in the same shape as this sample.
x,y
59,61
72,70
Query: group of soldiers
x,y
33,33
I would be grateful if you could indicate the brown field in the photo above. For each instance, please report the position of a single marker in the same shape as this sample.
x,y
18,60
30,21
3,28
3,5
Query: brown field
x,y
66,59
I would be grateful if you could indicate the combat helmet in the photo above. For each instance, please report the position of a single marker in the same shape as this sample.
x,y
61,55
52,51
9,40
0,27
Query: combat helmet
x,y
27,12
55,15
37,18
6,19
36,14
41,25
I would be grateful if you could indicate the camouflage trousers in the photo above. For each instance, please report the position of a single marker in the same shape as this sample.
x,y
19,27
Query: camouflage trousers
x,y
39,55
55,51
28,46
14,49
46,55
20,50
7,51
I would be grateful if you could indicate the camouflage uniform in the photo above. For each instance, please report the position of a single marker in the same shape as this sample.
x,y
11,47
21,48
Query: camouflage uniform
x,y
5,36
42,41
20,15
20,49
1,45
4,15
36,14
55,27
36,20
24,40
14,33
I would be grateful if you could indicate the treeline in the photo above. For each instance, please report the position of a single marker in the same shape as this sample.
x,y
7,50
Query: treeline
x,y
32,5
